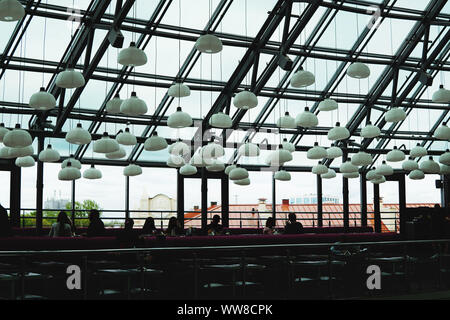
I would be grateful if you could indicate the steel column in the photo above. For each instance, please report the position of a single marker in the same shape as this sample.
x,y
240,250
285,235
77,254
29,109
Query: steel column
x,y
180,198
319,202
376,207
14,196
204,194
39,187
225,188
363,199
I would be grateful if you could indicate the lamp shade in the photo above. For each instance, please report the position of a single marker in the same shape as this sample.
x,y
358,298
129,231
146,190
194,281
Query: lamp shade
x,y
395,155
319,169
119,154
442,95
245,100
238,174
198,161
288,146
188,170
179,119
362,159
132,170
410,165
17,138
216,166
70,79
49,155
92,173
395,115
328,105
279,157
286,122
338,133
302,78
106,145
126,138
212,151
373,175
348,167
11,10
69,173
418,151
25,162
155,143
316,153
132,56
5,154
384,170
74,163
3,131
20,152
208,43
351,175
249,150
179,148
442,133
334,152
331,174
42,100
358,70
220,120
179,90
133,106
430,166
175,161
370,131
78,136
282,175
416,175
230,168
379,180
307,119
243,182
445,158
445,170
113,105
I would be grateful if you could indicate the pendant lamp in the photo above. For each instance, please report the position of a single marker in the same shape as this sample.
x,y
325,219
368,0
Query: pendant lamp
x,y
348,167
445,170
179,119
132,170
70,79
126,138
282,175
328,105
49,155
334,152
395,115
11,10
106,145
213,150
69,173
442,133
307,119
230,168
78,136
216,166
358,70
249,150
4,153
395,155
338,133
245,100
155,143
373,175
286,122
119,154
384,170
92,173
243,182
73,162
25,162
410,165
220,120
113,105
208,43
288,146
302,78
238,174
175,161
179,90
279,157
320,169
21,152
179,148
362,159
17,138
445,158
316,153
430,166
379,181
416,175
199,161
370,131
351,175
418,151
3,131
133,106
188,170
132,56
331,174
42,100
442,95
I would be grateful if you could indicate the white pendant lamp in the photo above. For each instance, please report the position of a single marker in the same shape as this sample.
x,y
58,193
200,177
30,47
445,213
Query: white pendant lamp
x,y
230,168
445,158
442,133
288,146
188,170
78,136
17,138
328,105
113,105
316,153
370,131
249,150
133,106
395,155
69,173
3,131
384,170
155,143
379,181
238,174
220,120
21,152
179,148
348,167
49,155
198,161
351,175
338,133
286,122
126,138
213,151
243,182
208,43
4,153
418,151
11,10
92,173
132,170
334,152
395,115
73,162
179,90
430,166
42,100
445,170
362,159
320,169
119,154
70,79
373,175
179,119
442,95
358,70
132,56
302,78
25,162
282,175
307,119
216,166
331,174
279,157
106,145
175,161
410,165
416,175
245,100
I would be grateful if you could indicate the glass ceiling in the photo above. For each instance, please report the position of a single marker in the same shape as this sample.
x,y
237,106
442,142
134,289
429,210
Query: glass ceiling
x,y
328,36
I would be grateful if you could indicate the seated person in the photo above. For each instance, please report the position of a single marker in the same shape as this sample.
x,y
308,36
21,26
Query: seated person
x,y
62,228
149,228
127,236
174,228
96,226
214,227
5,225
292,226
270,226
